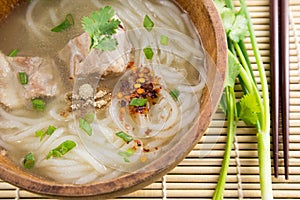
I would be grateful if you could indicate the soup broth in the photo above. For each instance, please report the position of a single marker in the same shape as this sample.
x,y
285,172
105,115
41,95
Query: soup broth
x,y
86,114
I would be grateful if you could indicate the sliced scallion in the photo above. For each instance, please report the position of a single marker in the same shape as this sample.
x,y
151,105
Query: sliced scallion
x,y
13,53
68,22
62,149
41,133
89,118
175,94
126,154
50,130
23,78
85,126
29,161
148,51
124,136
148,23
38,104
164,40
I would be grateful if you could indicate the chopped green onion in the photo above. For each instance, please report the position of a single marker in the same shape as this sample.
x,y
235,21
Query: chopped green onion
x,y
129,152
50,130
29,161
148,23
68,22
23,78
175,94
62,149
85,126
13,53
127,138
40,133
126,154
148,52
38,104
164,40
138,102
89,118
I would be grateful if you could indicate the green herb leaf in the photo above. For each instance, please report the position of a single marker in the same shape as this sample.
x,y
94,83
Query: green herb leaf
x,y
248,109
29,161
127,138
23,78
228,17
85,126
13,53
106,44
148,52
220,4
38,104
223,103
67,23
138,102
101,26
164,40
239,28
175,94
148,23
62,149
233,70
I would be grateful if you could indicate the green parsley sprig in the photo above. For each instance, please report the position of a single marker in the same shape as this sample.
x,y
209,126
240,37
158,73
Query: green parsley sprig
x,y
101,26
253,108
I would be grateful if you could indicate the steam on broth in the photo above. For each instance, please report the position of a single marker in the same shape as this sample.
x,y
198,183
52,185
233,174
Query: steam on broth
x,y
87,114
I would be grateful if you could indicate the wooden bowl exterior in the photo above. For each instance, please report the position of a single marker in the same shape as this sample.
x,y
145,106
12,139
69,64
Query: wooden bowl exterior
x,y
208,23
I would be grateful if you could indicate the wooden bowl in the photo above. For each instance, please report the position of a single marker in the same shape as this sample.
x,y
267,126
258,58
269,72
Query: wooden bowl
x,y
207,21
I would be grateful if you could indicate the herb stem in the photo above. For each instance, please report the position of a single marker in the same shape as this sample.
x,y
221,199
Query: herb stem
x,y
231,130
263,135
242,58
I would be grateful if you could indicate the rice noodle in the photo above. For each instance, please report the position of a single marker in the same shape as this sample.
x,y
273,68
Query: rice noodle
x,y
102,156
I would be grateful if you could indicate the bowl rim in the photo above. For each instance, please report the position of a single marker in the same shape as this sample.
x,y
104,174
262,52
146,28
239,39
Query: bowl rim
x,y
128,183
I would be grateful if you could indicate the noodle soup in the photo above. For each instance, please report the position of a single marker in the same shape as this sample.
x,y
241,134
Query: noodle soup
x,y
76,114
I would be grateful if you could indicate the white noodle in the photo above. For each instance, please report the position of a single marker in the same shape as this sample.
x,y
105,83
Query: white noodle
x,y
99,157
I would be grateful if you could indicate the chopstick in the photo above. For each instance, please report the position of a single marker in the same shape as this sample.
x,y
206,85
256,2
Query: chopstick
x,y
284,55
280,92
274,29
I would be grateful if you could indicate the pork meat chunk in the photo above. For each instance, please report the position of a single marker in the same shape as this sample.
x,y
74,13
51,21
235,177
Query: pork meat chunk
x,y
82,60
42,79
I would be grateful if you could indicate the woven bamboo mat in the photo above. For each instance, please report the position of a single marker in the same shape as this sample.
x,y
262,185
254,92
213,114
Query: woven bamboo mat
x,y
196,176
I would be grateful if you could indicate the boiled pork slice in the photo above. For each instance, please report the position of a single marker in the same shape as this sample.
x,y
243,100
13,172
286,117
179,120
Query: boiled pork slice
x,y
80,59
43,79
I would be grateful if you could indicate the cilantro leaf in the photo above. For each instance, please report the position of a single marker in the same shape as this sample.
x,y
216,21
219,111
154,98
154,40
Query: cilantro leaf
x,y
101,26
223,104
239,29
220,4
138,102
228,17
233,70
248,109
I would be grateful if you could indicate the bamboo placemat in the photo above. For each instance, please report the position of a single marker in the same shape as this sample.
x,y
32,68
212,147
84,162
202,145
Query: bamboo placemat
x,y
196,176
